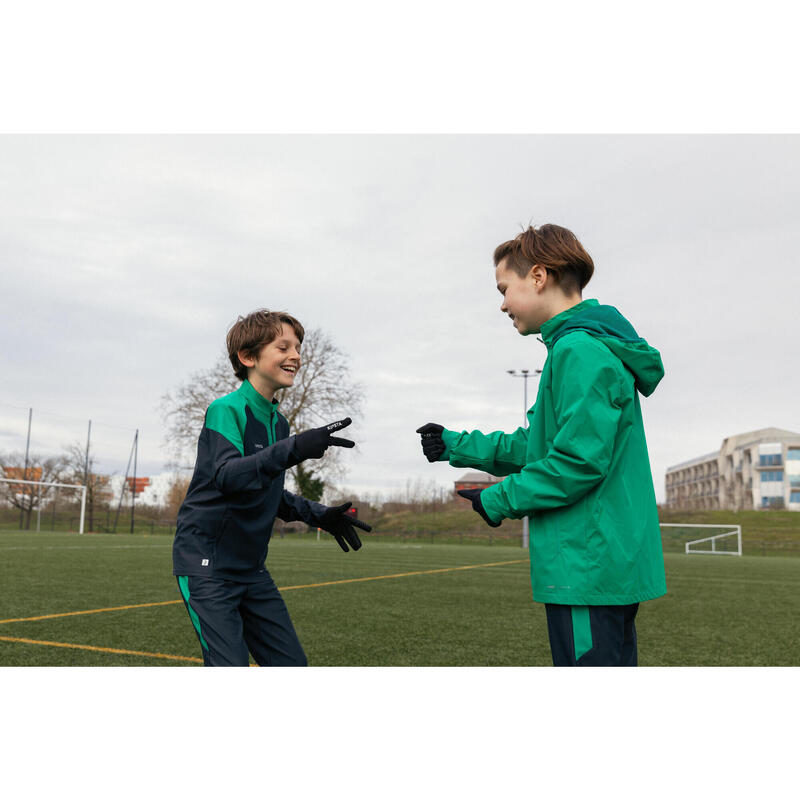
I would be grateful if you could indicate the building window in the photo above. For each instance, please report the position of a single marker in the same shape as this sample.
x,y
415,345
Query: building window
x,y
772,502
794,497
793,454
772,475
773,460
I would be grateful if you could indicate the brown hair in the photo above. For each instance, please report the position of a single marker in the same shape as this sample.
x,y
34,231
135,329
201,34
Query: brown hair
x,y
253,332
556,249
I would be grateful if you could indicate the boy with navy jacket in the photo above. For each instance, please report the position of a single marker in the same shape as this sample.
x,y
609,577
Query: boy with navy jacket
x,y
580,469
225,522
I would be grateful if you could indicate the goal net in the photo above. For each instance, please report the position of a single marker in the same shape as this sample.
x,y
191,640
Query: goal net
x,y
40,503
705,539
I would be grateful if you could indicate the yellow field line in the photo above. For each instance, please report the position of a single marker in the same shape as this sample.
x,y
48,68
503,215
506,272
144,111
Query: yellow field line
x,y
401,575
101,649
281,588
90,611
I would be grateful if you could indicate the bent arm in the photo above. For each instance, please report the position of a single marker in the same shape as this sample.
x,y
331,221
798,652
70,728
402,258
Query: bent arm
x,y
588,395
295,508
231,470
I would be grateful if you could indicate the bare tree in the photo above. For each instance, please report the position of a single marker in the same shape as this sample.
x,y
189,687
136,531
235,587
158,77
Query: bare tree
x,y
322,392
75,471
175,496
24,496
184,408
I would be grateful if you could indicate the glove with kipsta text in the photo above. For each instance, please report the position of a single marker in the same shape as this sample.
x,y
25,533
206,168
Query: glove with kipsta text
x,y
474,496
336,521
314,443
432,442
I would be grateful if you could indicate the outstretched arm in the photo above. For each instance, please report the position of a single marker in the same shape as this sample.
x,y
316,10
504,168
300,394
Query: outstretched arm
x,y
497,453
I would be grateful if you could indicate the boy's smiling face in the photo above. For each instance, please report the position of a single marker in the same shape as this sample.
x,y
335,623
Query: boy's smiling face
x,y
276,365
533,299
523,298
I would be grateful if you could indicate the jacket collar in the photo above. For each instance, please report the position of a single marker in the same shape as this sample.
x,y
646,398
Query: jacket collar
x,y
550,328
257,400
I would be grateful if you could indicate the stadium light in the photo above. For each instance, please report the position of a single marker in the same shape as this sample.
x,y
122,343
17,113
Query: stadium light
x,y
525,373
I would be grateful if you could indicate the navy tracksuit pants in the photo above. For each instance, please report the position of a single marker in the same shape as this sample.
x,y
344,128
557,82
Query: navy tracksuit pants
x,y
233,619
592,636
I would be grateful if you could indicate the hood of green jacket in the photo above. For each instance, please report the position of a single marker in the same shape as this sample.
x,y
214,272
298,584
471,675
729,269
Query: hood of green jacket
x,y
610,327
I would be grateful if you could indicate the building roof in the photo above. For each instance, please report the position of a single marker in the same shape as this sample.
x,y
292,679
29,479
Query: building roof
x,y
695,461
477,477
739,440
761,435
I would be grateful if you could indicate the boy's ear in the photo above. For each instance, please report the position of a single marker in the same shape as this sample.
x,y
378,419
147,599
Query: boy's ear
x,y
539,276
246,359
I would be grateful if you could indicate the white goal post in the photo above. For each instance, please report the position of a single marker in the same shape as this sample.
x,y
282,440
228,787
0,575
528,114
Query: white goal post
x,y
61,485
730,530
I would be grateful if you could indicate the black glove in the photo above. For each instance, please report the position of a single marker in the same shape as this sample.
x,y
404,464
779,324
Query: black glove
x,y
314,443
474,496
337,521
432,442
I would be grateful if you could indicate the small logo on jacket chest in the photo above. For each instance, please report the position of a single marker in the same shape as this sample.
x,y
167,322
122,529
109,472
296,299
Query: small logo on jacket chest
x,y
258,446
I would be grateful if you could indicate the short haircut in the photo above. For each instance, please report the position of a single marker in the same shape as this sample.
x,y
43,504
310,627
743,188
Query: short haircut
x,y
253,332
556,249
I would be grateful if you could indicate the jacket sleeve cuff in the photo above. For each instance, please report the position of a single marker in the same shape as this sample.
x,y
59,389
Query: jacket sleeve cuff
x,y
490,501
449,438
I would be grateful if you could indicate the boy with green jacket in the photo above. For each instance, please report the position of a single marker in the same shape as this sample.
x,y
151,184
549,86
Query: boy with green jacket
x,y
580,470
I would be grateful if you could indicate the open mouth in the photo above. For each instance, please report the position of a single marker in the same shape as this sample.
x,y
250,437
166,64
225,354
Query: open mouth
x,y
291,370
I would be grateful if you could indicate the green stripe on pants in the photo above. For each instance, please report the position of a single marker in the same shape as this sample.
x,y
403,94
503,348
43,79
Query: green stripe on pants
x,y
581,630
183,583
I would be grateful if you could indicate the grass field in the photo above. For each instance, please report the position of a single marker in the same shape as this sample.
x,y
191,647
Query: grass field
x,y
77,600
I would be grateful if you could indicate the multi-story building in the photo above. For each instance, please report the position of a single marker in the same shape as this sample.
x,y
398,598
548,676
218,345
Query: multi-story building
x,y
760,469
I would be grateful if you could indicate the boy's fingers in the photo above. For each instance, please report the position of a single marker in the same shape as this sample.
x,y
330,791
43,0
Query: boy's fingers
x,y
429,427
340,541
341,442
359,524
353,540
337,426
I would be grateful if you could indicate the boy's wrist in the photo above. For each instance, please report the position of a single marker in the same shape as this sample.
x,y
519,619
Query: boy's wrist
x,y
449,438
490,504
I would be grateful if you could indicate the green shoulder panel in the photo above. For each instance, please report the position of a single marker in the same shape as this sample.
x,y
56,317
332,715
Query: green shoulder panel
x,y
226,416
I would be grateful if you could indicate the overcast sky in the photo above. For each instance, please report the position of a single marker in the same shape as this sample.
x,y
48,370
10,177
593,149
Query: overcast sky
x,y
125,259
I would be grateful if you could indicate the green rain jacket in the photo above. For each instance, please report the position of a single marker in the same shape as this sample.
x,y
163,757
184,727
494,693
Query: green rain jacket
x,y
581,469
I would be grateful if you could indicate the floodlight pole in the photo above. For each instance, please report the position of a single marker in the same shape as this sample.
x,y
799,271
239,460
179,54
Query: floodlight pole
x,y
86,467
27,451
133,490
125,482
86,460
525,374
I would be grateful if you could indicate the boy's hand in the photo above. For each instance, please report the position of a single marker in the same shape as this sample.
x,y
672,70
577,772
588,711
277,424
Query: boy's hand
x,y
432,443
314,443
337,521
474,496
